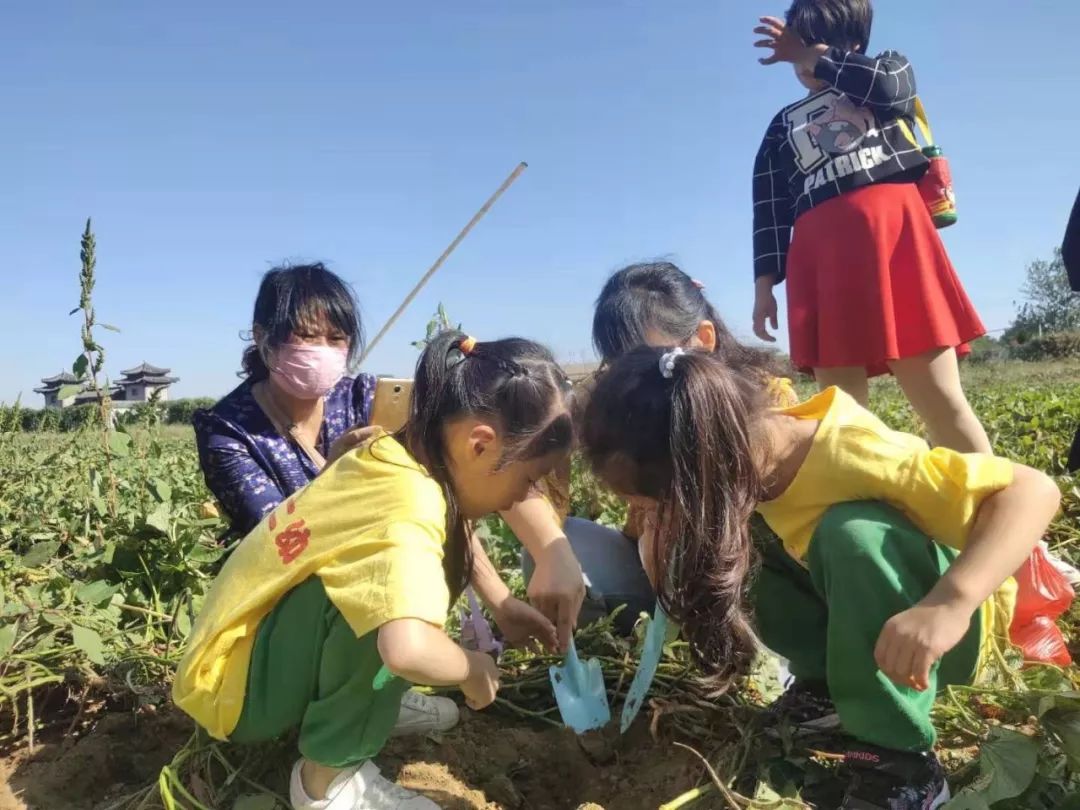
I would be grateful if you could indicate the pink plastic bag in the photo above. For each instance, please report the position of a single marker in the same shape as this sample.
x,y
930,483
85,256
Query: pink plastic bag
x,y
1042,595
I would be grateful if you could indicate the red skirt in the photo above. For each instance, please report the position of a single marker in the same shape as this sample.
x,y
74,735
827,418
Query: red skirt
x,y
869,281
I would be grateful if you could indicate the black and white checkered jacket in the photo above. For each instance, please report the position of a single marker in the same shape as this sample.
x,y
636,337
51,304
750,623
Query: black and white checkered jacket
x,y
855,132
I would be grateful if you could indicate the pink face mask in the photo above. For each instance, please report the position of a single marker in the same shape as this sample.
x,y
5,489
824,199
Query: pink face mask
x,y
308,372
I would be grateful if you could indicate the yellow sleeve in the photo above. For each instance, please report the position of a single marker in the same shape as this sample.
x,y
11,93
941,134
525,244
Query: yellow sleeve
x,y
398,575
940,489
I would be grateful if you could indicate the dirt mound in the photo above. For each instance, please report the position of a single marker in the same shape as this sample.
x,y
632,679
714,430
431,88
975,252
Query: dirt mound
x,y
487,763
122,753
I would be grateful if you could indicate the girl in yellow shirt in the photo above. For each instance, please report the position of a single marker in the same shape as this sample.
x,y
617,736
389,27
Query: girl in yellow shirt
x,y
647,304
327,611
899,556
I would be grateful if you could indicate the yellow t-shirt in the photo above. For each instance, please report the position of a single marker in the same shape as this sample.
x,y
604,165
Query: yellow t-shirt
x,y
371,527
855,457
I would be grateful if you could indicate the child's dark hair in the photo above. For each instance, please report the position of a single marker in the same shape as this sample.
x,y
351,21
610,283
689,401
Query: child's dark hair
x,y
690,442
660,298
290,298
514,382
843,24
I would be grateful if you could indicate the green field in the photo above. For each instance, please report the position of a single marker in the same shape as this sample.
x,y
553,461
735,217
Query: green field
x,y
108,544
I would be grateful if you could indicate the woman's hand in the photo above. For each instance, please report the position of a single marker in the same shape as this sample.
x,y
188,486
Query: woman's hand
x,y
911,642
482,683
765,309
557,588
350,440
787,45
521,624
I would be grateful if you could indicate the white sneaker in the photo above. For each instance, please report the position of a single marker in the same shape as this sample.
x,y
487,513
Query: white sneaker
x,y
423,714
360,788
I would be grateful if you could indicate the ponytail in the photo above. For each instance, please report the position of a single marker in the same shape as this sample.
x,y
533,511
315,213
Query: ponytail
x,y
513,382
683,429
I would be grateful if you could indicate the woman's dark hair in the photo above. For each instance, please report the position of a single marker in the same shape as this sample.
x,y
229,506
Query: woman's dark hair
x,y
690,442
843,24
660,298
291,297
513,382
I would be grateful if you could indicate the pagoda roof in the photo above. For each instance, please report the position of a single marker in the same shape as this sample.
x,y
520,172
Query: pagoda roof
x,y
150,380
90,395
146,368
63,378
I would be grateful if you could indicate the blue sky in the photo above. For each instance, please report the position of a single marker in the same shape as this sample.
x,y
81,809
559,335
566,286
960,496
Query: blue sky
x,y
212,140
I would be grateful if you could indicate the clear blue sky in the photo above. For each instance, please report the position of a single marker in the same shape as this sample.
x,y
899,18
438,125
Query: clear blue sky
x,y
211,140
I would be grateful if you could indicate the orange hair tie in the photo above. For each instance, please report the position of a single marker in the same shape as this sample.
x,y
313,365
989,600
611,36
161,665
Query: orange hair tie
x,y
467,345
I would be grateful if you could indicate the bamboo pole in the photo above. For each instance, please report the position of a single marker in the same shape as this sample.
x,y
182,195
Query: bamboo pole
x,y
445,254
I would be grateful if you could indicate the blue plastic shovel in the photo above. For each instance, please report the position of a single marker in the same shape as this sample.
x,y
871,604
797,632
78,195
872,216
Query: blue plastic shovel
x,y
646,671
580,692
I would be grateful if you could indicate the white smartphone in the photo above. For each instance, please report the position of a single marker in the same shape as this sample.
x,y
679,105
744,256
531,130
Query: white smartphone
x,y
390,410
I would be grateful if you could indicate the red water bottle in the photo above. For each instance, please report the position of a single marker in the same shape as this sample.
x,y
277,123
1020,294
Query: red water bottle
x,y
936,189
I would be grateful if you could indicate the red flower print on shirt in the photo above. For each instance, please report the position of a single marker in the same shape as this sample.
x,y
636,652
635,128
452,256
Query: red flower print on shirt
x,y
292,541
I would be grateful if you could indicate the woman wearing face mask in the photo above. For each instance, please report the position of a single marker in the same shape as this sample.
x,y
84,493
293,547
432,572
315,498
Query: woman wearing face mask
x,y
296,409
295,412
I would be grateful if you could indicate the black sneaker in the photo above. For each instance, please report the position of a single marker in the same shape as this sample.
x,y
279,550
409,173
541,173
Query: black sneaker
x,y
805,705
882,779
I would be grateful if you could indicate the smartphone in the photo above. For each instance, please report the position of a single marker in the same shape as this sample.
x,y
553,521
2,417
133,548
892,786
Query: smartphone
x,y
390,410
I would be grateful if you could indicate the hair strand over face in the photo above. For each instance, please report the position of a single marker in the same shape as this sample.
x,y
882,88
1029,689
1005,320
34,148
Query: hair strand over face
x,y
689,443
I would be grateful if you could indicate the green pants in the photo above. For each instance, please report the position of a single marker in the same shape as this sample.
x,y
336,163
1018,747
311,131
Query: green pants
x,y
309,670
865,564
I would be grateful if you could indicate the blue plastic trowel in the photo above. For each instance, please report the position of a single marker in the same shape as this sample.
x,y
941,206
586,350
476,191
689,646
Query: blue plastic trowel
x,y
646,671
580,692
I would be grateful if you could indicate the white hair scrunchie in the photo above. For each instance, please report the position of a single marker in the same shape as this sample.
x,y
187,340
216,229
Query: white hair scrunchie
x,y
667,362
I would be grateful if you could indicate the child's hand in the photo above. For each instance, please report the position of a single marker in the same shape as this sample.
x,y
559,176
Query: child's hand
x,y
787,46
765,311
521,624
482,683
557,588
911,642
350,440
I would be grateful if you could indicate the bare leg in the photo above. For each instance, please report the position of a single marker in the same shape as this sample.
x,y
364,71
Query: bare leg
x,y
852,379
931,383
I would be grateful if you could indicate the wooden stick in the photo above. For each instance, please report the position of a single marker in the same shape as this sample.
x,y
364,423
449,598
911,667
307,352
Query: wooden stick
x,y
446,253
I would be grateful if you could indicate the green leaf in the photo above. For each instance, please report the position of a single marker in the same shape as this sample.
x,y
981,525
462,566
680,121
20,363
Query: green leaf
x,y
109,326
183,623
967,800
120,444
1065,727
67,391
1009,759
159,518
39,554
89,642
7,638
96,593
205,554
260,801
161,490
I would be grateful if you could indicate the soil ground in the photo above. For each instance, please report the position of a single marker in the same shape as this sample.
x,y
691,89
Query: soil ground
x,y
487,763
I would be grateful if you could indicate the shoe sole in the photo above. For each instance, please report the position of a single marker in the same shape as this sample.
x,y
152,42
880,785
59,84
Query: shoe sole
x,y
938,801
942,798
